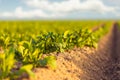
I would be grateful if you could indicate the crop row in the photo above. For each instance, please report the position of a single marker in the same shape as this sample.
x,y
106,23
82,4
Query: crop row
x,y
21,52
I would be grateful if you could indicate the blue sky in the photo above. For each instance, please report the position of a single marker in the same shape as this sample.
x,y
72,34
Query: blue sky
x,y
59,9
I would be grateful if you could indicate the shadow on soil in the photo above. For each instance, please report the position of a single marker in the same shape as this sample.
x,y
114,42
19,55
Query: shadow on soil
x,y
104,64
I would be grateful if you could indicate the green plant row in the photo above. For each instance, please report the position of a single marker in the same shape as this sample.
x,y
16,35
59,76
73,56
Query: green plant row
x,y
49,26
29,49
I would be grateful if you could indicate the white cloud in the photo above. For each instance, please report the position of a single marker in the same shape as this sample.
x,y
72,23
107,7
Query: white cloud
x,y
113,2
70,5
96,5
63,6
47,9
35,13
20,13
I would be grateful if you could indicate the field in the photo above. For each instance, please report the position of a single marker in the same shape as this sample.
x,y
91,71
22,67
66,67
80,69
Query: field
x,y
59,50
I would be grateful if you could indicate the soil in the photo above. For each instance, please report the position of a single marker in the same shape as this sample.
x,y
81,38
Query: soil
x,y
67,66
87,63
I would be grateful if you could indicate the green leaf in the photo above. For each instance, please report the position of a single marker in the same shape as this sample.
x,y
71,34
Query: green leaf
x,y
66,33
43,62
21,49
49,61
27,68
7,40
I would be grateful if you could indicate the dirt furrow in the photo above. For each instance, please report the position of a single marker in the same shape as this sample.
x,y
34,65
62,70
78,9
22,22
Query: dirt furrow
x,y
104,63
114,70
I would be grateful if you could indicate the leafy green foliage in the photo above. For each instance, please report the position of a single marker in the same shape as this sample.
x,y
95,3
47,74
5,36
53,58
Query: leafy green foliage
x,y
27,68
27,44
6,63
48,61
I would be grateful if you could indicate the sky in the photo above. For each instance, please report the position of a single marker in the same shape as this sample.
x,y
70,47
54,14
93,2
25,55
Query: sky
x,y
59,9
